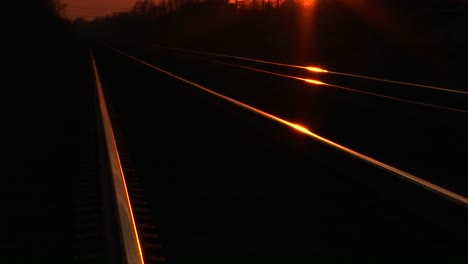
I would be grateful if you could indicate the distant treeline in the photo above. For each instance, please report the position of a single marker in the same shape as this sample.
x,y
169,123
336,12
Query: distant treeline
x,y
274,23
365,35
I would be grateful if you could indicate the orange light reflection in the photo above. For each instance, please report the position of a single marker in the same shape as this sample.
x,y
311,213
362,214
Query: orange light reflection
x,y
126,215
314,81
405,175
315,69
301,128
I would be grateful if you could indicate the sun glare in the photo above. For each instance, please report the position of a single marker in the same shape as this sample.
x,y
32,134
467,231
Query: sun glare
x,y
314,81
300,128
308,2
315,69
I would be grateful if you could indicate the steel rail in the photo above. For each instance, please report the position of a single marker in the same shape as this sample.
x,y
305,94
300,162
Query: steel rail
x,y
447,194
130,239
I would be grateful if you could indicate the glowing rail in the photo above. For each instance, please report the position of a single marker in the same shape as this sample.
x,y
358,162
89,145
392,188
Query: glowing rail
x,y
317,82
131,241
400,100
457,198
312,81
399,82
315,69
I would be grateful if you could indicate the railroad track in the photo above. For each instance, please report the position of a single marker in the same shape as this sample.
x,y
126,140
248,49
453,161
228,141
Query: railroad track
x,y
168,121
96,226
345,183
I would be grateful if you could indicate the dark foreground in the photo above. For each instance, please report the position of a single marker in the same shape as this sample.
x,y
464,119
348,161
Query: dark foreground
x,y
224,185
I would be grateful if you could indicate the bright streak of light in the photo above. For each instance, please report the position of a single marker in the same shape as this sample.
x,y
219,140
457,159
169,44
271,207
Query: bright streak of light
x,y
402,174
317,82
131,241
263,71
399,82
301,128
314,82
316,69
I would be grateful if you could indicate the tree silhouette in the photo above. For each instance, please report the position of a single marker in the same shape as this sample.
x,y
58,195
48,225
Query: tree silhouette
x,y
40,22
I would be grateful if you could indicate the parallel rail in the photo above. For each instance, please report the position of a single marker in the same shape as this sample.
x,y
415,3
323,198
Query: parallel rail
x,y
130,239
